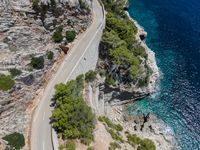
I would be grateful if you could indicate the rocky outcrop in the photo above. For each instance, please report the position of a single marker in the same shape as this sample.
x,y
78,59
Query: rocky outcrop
x,y
151,60
126,89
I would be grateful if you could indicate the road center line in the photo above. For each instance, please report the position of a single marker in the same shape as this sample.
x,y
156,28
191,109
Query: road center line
x,y
44,115
43,146
84,52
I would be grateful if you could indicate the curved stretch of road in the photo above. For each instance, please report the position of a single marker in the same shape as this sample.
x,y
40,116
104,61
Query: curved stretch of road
x,y
41,129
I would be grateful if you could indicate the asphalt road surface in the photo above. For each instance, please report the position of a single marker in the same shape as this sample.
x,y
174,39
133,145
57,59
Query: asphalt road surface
x,y
41,128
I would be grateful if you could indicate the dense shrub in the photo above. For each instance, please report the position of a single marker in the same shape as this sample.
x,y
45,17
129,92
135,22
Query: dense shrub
x,y
110,40
142,82
36,6
15,140
122,56
57,35
72,117
109,80
134,71
123,28
37,62
53,3
40,8
15,72
116,7
43,10
139,51
90,76
50,55
6,82
70,35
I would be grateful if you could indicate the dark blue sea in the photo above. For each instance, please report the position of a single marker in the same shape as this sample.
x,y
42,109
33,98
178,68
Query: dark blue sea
x,y
173,28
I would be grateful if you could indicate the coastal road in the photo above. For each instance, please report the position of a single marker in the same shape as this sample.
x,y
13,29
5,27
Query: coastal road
x,y
41,128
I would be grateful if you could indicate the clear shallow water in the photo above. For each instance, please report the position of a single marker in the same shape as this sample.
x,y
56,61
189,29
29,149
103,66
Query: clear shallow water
x,y
173,28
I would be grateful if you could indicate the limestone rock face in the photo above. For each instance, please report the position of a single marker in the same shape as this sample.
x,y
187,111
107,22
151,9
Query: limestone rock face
x,y
24,34
28,80
20,5
71,2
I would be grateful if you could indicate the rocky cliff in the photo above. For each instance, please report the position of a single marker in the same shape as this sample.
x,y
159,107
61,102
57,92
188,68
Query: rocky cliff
x,y
127,66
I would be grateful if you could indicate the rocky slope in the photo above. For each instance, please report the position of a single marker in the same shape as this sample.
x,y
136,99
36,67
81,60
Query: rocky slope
x,y
26,33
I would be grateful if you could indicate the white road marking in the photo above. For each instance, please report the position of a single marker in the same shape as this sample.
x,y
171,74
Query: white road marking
x,y
83,53
43,115
43,146
73,58
34,119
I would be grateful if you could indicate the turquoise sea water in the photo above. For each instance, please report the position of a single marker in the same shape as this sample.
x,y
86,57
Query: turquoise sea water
x,y
173,28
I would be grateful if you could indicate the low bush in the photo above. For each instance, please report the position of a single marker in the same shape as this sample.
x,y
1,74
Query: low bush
x,y
146,144
90,76
53,3
102,72
15,140
90,148
6,82
36,6
84,6
61,147
114,146
86,140
133,140
134,72
109,123
70,35
37,62
70,145
57,35
109,80
115,135
50,55
15,72
142,82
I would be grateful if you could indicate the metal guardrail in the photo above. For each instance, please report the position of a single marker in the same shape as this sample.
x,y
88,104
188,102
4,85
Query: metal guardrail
x,y
103,9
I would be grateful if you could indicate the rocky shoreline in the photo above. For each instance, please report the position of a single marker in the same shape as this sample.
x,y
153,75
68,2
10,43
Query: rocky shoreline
x,y
144,126
101,99
159,132
151,61
153,128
